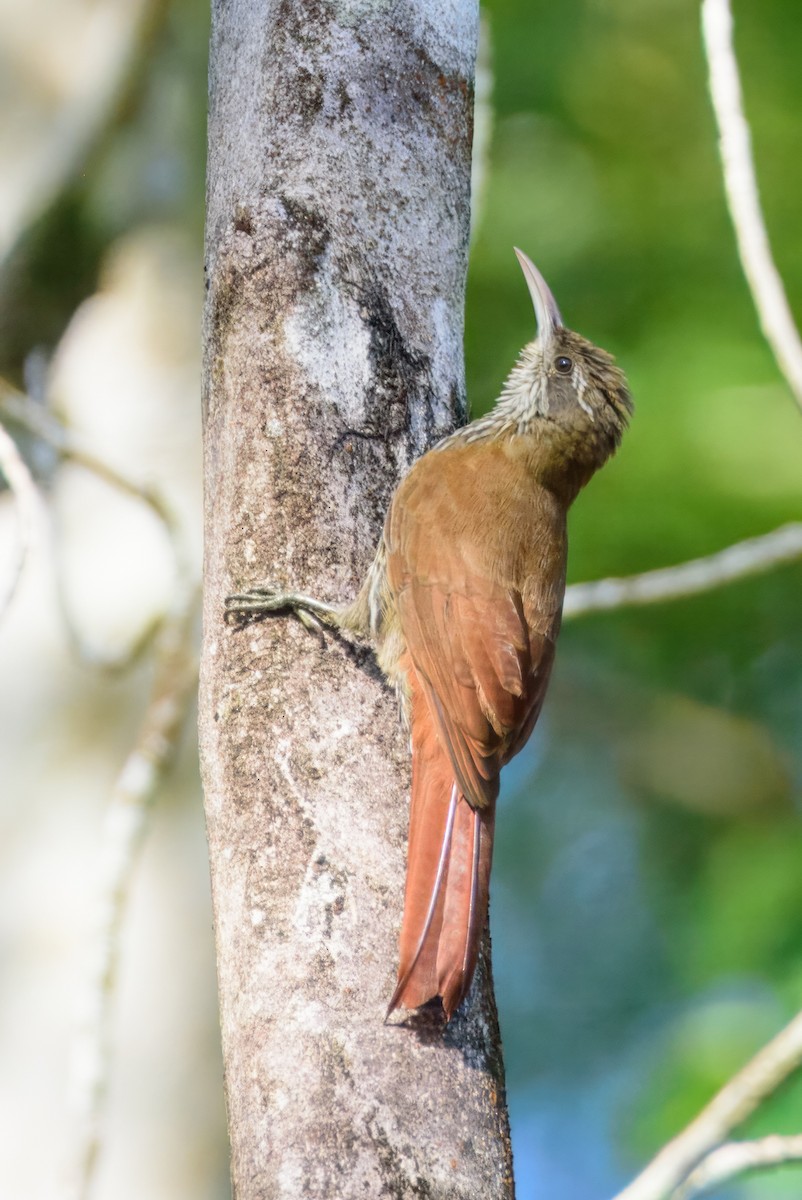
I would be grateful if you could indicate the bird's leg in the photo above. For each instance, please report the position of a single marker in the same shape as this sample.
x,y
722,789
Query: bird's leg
x,y
266,598
360,619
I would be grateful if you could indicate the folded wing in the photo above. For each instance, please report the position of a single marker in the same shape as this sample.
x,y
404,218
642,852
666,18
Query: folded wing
x,y
479,657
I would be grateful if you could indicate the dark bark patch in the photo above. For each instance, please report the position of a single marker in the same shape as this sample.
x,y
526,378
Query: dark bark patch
x,y
311,222
344,102
400,375
309,91
243,219
396,1182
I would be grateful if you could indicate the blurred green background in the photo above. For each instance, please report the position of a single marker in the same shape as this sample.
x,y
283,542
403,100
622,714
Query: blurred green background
x,y
648,882
647,912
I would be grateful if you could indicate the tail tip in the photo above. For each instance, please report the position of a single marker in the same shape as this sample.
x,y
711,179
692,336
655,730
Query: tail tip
x,y
442,1008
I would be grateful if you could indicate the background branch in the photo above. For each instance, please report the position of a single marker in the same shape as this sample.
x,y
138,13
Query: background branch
x,y
735,143
737,1158
28,511
482,123
22,410
16,406
736,1101
125,823
754,556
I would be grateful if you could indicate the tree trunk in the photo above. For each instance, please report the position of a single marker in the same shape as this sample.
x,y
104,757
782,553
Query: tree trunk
x,y
338,210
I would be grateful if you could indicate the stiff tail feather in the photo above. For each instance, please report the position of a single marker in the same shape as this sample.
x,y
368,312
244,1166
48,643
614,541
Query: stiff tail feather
x,y
448,873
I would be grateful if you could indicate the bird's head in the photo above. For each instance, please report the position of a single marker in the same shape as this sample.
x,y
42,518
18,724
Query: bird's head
x,y
563,389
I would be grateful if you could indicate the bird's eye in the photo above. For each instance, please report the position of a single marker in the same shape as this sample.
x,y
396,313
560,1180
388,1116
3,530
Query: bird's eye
x,y
563,364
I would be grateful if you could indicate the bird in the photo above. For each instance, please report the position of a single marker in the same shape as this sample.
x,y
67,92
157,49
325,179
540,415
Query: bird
x,y
462,606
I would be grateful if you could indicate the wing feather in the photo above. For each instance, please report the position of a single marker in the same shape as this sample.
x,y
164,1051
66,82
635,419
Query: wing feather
x,y
478,608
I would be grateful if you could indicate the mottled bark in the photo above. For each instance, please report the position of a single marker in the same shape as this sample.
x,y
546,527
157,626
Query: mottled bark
x,y
338,209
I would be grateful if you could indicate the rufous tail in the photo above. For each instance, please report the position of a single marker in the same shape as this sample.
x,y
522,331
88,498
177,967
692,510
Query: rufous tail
x,y
448,874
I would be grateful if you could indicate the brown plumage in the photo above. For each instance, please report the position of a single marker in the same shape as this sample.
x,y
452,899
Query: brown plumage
x,y
463,605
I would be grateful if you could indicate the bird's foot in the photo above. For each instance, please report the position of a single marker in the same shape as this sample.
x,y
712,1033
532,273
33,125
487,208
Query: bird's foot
x,y
267,598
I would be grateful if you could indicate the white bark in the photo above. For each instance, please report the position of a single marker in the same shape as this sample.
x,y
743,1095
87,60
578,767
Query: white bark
x,y
338,213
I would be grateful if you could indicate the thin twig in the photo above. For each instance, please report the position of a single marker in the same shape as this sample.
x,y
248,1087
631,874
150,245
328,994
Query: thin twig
x,y
735,145
482,123
754,556
175,675
736,1158
17,407
728,1109
28,510
36,420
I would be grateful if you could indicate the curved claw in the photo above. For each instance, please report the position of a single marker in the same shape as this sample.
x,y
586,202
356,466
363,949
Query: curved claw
x,y
267,598
263,598
308,620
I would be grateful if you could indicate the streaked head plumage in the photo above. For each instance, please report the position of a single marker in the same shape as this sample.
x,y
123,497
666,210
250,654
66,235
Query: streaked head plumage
x,y
564,380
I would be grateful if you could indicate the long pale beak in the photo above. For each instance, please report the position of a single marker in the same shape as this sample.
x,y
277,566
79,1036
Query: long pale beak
x,y
546,310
